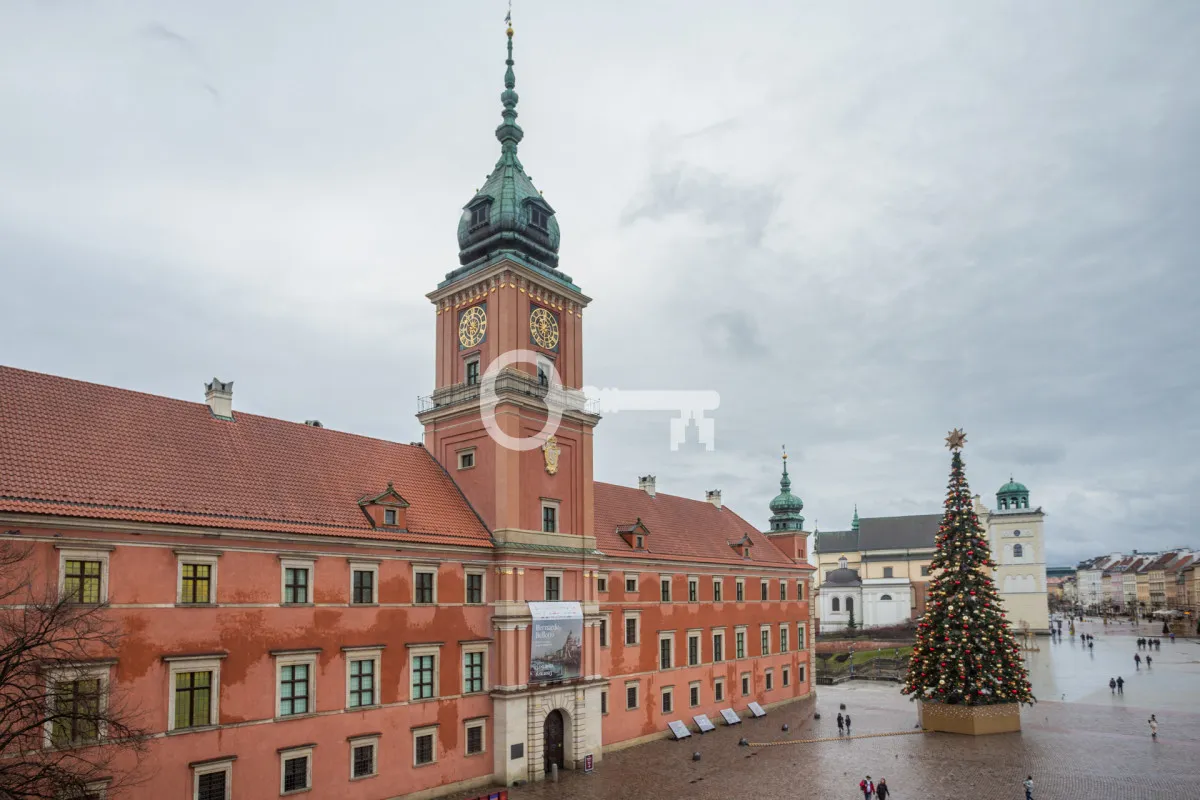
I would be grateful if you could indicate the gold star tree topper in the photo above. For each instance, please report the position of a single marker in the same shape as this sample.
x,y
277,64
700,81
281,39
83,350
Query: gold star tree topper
x,y
956,439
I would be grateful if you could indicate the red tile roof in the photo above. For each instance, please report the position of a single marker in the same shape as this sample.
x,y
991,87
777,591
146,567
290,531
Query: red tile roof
x,y
79,449
680,528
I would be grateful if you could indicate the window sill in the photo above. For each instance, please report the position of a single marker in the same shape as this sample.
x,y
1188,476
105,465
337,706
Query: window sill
x,y
295,791
371,707
473,755
195,605
365,777
433,699
426,764
305,715
194,729
364,605
297,605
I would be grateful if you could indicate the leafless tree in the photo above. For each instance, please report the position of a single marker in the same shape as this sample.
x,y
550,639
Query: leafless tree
x,y
63,730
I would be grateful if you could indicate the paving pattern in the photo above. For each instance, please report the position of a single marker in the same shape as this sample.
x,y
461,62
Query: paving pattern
x,y
1092,745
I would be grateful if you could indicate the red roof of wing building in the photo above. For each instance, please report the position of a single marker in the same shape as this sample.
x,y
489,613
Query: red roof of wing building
x,y
78,449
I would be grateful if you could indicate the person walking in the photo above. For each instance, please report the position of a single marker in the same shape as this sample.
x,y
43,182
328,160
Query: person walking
x,y
1112,685
882,791
866,787
841,723
1137,660
1149,661
847,724
1028,784
1120,685
1172,637
1153,727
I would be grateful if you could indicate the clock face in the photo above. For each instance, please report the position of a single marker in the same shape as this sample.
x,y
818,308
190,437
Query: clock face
x,y
544,328
472,325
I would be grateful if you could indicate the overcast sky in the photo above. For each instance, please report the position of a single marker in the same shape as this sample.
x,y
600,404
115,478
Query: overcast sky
x,y
862,223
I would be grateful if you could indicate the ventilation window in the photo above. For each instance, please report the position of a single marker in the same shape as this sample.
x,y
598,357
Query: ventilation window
x,y
479,214
538,217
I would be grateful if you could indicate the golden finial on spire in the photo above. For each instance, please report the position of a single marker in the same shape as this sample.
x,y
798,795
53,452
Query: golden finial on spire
x,y
508,20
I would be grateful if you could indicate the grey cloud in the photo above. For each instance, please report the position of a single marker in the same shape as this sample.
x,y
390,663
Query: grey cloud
x,y
716,199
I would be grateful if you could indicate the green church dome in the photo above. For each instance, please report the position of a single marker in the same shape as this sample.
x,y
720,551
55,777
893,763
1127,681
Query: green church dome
x,y
1012,495
1012,487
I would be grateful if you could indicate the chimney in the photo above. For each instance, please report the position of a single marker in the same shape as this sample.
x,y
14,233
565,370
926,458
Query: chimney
x,y
313,423
714,496
646,484
219,397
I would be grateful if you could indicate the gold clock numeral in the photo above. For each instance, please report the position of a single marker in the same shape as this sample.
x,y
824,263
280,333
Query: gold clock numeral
x,y
472,326
544,328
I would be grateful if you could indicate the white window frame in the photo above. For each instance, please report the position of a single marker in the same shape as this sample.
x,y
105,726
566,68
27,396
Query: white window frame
x,y
374,654
473,647
481,723
183,557
84,554
425,569
362,741
602,576
558,521
764,651
724,646
801,636
739,587
635,615
282,660
365,566
670,581
695,634
293,562
637,690
747,684
782,590
784,643
427,730
79,672
547,574
786,674
719,682
718,581
694,685
668,636
395,517
667,691
799,591
800,676
297,752
178,664
764,591
223,765
434,650
606,621
473,359
631,576
743,630
460,455
768,680
693,587
482,573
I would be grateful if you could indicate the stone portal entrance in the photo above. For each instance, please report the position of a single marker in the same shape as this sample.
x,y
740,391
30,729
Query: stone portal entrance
x,y
554,740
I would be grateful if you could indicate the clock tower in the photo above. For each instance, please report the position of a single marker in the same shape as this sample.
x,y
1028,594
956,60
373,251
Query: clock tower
x,y
506,418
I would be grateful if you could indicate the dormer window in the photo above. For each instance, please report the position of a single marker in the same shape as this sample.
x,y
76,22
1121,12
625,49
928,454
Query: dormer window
x,y
389,516
634,535
386,509
641,543
479,214
538,217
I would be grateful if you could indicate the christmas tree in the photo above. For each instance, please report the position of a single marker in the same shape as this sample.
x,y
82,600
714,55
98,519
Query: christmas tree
x,y
965,651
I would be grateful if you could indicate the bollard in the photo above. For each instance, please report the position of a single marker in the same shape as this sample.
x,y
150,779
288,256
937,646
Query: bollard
x,y
696,756
554,773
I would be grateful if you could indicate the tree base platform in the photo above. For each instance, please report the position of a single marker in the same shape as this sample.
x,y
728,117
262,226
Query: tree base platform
x,y
970,720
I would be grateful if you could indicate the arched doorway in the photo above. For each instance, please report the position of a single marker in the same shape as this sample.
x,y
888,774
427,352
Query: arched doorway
x,y
554,740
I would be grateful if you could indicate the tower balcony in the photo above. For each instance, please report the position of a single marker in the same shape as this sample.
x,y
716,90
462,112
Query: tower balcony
x,y
511,384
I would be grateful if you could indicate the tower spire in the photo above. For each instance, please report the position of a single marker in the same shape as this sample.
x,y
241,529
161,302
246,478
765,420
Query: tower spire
x,y
786,507
854,522
509,132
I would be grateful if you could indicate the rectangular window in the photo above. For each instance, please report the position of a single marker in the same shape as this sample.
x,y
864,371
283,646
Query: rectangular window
x,y
475,732
770,680
474,588
603,702
213,785
294,686
924,572
362,587
423,752
423,670
389,516
549,519
745,684
665,585
765,642
473,372
604,633
799,590
717,586
295,584
195,583
473,671
553,587
741,590
693,649
887,572
740,643
783,639
802,636
631,630
718,690
718,647
362,683
193,699
694,694
693,590
423,587
362,761
479,214
763,586
668,700
295,774
631,584
631,696
77,708
783,590
664,653
786,675
602,583
801,676
82,581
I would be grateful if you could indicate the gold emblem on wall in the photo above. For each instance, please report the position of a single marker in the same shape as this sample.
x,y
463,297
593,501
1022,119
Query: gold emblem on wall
x,y
544,328
551,451
472,325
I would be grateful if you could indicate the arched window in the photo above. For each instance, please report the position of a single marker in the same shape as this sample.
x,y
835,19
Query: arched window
x,y
1024,502
849,603
842,562
837,604
1017,550
1004,503
886,597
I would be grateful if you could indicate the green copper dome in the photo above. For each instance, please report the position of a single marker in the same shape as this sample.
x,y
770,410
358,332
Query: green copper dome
x,y
508,217
1012,486
786,507
1012,495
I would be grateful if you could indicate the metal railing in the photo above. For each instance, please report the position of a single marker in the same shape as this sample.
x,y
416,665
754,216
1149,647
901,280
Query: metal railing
x,y
510,382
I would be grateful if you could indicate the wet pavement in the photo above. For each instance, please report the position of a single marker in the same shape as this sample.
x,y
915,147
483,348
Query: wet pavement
x,y
1079,741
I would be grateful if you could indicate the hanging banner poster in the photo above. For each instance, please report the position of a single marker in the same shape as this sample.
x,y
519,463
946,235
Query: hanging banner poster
x,y
556,649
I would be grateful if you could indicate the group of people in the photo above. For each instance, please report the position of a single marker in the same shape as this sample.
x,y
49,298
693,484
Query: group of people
x,y
1137,660
1149,644
1087,639
1117,685
843,723
871,789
